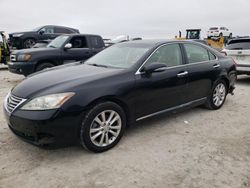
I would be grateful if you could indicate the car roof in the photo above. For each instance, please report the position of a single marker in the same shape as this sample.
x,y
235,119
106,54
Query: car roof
x,y
239,40
58,26
152,43
80,35
193,29
71,28
217,26
158,42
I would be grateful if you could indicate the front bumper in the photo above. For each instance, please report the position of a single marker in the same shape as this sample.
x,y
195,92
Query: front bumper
x,y
16,42
24,68
44,127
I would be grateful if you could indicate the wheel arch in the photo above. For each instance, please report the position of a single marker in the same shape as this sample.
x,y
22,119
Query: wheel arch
x,y
225,79
28,37
39,62
116,100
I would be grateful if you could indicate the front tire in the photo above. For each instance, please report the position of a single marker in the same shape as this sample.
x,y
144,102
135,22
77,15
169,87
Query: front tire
x,y
102,127
29,43
217,96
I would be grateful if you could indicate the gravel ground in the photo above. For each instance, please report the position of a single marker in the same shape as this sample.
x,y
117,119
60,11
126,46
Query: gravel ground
x,y
195,148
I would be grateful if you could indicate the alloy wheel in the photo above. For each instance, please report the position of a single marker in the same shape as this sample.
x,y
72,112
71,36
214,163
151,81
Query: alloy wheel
x,y
29,43
219,94
105,128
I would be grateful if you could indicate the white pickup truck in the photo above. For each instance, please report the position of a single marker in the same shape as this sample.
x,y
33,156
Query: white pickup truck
x,y
239,50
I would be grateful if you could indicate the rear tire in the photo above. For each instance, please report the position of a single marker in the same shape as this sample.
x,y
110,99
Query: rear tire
x,y
44,66
102,127
217,95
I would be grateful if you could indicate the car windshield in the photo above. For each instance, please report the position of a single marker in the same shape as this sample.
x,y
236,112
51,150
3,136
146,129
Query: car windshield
x,y
37,28
119,56
58,42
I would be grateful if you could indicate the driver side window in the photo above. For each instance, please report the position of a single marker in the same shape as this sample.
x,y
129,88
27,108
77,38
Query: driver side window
x,y
79,42
169,54
48,30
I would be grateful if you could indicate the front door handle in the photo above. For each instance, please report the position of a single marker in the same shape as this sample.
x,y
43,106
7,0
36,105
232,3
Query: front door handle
x,y
216,66
182,74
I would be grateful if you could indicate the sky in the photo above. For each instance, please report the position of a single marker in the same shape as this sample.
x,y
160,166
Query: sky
x,y
136,18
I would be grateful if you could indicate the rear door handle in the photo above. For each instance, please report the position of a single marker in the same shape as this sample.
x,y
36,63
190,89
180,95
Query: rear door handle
x,y
182,74
216,66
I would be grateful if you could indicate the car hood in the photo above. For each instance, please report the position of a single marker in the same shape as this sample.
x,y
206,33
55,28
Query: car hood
x,y
61,79
34,50
25,32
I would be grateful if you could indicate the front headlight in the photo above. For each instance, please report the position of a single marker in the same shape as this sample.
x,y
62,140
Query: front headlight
x,y
48,102
24,57
17,35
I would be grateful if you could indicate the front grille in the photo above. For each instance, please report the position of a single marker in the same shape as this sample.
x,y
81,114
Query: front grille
x,y
13,57
13,102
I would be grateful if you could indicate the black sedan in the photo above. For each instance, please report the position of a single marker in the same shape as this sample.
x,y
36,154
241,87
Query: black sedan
x,y
28,39
93,102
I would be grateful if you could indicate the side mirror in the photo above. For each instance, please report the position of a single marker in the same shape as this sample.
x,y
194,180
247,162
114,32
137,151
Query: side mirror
x,y
41,32
154,67
68,46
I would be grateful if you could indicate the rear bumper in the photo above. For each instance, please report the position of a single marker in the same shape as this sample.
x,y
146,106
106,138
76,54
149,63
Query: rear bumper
x,y
24,68
232,81
243,69
216,34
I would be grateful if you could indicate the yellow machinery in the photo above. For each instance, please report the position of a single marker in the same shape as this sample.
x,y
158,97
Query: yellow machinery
x,y
216,42
4,49
195,34
190,34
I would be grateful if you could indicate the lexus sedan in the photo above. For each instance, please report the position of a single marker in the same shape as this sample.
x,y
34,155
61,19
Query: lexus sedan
x,y
92,102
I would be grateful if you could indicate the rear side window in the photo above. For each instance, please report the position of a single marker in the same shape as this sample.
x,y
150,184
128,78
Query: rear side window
x,y
169,54
48,30
62,30
211,56
239,45
196,53
79,42
96,42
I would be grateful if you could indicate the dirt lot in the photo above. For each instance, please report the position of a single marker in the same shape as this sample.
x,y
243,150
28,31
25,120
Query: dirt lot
x,y
196,148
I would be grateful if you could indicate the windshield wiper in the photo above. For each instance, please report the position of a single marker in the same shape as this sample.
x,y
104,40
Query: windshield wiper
x,y
51,46
98,65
